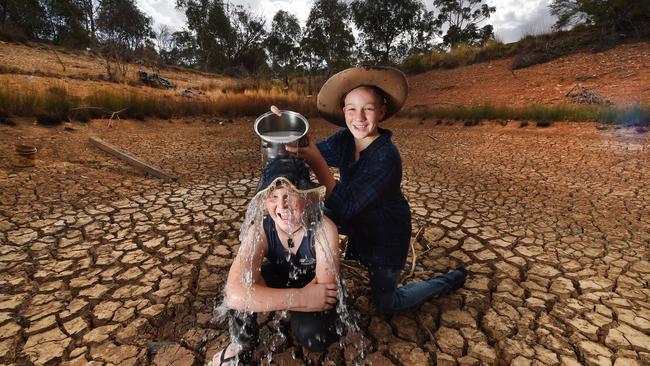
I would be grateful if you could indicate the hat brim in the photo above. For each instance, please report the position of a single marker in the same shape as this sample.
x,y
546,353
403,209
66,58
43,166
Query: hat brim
x,y
390,80
317,190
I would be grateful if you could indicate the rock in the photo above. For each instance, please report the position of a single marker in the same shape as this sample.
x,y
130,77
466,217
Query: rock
x,y
450,341
443,359
486,354
118,355
595,354
635,339
521,361
408,353
584,327
498,327
468,361
173,355
595,284
380,330
626,362
46,347
99,334
377,359
406,328
457,319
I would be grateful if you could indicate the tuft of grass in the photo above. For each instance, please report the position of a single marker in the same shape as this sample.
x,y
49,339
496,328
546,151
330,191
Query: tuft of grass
x,y
637,115
58,101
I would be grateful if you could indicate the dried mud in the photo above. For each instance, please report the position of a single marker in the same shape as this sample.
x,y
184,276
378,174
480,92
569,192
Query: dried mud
x,y
102,265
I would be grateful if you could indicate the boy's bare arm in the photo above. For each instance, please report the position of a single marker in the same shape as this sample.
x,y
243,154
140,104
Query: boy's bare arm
x,y
258,297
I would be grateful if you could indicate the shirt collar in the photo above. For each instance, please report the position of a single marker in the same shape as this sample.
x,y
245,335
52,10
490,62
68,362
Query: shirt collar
x,y
383,139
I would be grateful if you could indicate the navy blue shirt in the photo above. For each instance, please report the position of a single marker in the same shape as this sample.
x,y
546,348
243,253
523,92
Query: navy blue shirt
x,y
367,201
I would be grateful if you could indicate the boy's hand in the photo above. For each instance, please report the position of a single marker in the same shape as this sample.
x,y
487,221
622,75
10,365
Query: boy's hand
x,y
275,110
317,296
309,153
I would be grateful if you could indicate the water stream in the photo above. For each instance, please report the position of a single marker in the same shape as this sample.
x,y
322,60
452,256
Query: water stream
x,y
311,217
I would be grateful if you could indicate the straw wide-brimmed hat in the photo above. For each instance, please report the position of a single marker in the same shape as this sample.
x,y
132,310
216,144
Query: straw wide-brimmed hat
x,y
390,80
292,171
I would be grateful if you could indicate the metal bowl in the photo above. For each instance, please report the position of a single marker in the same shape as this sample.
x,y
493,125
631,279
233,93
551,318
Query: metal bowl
x,y
277,131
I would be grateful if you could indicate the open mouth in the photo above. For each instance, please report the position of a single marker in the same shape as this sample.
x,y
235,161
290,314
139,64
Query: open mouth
x,y
284,216
359,127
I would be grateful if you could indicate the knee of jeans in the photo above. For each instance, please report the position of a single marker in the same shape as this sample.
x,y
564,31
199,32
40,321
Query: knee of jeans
x,y
313,336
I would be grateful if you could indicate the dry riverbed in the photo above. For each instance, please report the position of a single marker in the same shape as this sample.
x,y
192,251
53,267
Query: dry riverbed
x,y
101,263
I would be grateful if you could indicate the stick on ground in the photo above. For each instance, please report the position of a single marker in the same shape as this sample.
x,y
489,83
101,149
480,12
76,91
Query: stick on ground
x,y
131,159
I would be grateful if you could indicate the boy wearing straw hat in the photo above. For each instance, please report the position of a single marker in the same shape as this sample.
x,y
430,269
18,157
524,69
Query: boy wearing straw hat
x,y
367,202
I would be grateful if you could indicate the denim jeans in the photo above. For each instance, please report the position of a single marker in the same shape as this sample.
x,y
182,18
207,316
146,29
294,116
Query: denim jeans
x,y
388,298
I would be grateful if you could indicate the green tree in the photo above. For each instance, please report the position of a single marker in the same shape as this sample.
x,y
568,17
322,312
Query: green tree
x,y
387,27
245,47
610,15
66,23
24,18
462,18
327,37
282,44
122,25
225,36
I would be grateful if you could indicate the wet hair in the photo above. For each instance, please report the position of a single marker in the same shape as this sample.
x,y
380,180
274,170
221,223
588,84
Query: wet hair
x,y
376,91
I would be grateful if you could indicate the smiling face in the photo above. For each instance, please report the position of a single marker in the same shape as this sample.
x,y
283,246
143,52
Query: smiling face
x,y
286,208
363,108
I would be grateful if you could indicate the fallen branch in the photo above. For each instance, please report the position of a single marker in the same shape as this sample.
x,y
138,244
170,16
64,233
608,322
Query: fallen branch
x,y
131,159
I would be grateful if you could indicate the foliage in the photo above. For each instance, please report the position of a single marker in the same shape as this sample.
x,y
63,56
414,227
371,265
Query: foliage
x,y
461,55
121,25
610,15
221,36
327,36
462,19
282,43
23,19
391,28
66,23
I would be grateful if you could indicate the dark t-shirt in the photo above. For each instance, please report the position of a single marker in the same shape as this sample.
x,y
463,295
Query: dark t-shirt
x,y
367,202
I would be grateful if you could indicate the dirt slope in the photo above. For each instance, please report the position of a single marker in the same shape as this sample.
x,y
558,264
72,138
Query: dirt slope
x,y
82,73
621,75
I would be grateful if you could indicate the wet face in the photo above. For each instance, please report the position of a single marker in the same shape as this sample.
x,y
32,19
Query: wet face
x,y
363,109
286,208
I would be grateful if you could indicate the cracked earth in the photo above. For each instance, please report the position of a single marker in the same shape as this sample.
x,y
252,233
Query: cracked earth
x,y
102,265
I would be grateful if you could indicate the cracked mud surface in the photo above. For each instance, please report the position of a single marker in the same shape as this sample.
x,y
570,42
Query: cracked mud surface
x,y
102,265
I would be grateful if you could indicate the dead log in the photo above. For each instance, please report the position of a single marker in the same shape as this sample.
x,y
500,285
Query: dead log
x,y
131,159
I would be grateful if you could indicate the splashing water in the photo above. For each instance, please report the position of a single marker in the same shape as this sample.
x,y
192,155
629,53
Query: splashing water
x,y
251,231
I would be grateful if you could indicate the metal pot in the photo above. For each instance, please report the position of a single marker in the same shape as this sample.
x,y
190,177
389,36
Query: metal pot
x,y
276,132
25,156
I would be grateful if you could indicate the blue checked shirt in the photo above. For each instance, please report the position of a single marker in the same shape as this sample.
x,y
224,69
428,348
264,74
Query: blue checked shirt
x,y
367,202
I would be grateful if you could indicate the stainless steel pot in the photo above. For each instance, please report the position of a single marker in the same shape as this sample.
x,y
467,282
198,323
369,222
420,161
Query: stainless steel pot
x,y
276,132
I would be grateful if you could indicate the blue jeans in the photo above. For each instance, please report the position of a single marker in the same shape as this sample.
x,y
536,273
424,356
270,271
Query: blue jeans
x,y
388,298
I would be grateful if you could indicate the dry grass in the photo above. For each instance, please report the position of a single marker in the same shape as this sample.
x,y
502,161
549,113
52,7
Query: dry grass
x,y
27,101
637,115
